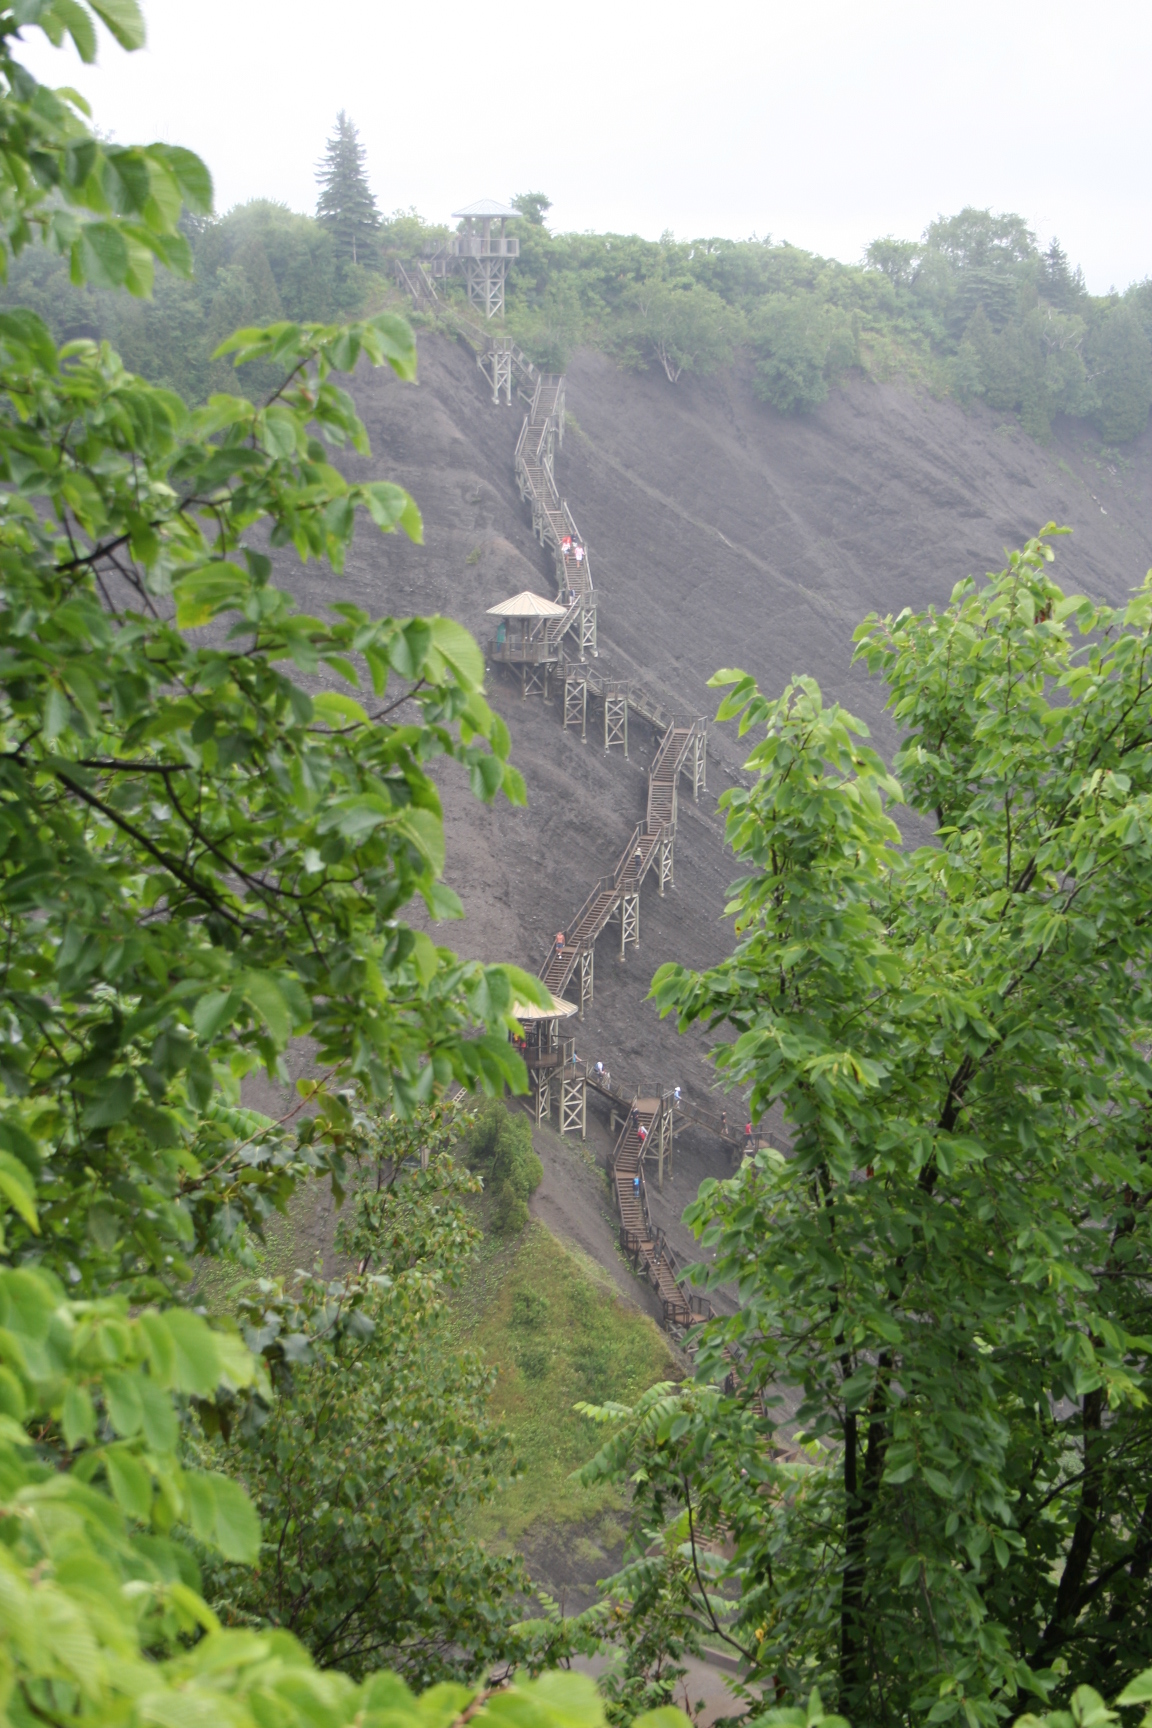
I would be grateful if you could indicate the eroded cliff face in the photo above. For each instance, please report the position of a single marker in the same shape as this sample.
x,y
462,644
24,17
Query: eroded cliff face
x,y
721,535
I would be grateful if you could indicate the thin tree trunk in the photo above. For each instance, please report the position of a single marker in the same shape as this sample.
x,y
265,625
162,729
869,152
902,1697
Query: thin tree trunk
x,y
852,1590
1084,1533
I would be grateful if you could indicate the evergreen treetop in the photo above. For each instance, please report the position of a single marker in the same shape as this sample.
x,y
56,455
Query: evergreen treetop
x,y
346,205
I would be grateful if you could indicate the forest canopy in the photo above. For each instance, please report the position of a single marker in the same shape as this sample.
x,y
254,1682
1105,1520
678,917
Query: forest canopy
x,y
976,309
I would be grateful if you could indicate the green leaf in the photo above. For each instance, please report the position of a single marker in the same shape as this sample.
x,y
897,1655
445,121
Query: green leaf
x,y
211,589
424,957
13,1403
79,26
666,1717
386,503
337,710
280,433
101,255
397,343
125,1406
237,1527
195,1364
131,1484
57,714
222,1515
16,1139
264,993
190,174
18,1189
1139,1690
22,332
161,1347
458,647
113,1104
215,1012
426,832
159,1418
78,1417
124,20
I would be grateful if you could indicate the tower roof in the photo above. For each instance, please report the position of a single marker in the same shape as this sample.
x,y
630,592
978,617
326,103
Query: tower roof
x,y
485,207
527,605
560,1010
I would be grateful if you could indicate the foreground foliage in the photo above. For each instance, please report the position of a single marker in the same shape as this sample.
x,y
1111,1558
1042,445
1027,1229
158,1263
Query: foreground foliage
x,y
951,1267
370,1460
199,861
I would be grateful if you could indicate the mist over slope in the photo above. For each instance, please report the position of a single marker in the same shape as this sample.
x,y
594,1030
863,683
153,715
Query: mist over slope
x,y
721,534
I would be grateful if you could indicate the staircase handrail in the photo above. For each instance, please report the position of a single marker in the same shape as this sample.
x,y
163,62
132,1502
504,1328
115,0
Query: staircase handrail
x,y
705,1119
559,627
625,860
698,1306
662,751
405,281
570,524
621,1137
578,947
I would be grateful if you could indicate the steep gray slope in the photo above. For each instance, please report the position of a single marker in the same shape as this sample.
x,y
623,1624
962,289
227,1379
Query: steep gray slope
x,y
721,534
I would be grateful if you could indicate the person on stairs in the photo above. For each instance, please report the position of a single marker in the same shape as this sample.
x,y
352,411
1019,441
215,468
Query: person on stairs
x,y
560,943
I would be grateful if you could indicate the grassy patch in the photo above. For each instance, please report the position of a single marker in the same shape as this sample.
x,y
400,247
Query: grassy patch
x,y
552,1325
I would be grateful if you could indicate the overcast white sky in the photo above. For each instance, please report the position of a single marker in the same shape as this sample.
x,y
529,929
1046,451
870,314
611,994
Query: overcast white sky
x,y
825,123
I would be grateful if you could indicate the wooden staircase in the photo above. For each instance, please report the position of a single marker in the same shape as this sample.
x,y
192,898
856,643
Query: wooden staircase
x,y
682,748
650,843
645,1244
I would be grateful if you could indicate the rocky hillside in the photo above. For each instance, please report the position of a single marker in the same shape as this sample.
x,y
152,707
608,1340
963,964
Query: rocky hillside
x,y
722,534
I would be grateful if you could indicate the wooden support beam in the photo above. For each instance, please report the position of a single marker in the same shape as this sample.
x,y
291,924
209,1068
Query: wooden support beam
x,y
576,703
587,965
616,716
574,1105
629,921
699,760
667,842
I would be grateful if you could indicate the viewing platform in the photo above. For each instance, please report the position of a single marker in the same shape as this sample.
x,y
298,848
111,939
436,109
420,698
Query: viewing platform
x,y
480,253
556,1076
479,246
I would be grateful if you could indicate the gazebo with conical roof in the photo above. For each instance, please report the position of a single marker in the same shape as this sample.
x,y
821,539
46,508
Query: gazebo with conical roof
x,y
557,1074
536,646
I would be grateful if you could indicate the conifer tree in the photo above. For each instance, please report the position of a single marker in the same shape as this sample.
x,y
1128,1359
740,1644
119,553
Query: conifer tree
x,y
346,205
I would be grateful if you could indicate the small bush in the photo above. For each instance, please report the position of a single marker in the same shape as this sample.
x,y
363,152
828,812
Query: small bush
x,y
511,1212
529,1308
500,1150
533,1361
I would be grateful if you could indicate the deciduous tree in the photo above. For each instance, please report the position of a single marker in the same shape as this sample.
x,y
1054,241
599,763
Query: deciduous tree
x,y
947,1269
